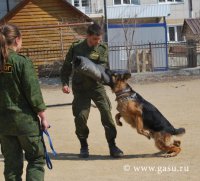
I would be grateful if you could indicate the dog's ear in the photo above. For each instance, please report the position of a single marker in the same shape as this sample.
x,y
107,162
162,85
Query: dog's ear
x,y
115,77
127,76
108,72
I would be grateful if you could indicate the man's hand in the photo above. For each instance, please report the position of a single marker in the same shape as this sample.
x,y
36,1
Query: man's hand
x,y
44,123
66,89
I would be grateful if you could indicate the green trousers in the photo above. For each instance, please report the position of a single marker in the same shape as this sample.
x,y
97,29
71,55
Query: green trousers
x,y
81,108
12,149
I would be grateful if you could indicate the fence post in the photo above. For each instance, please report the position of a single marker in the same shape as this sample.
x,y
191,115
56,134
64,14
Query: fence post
x,y
150,57
144,60
192,54
138,60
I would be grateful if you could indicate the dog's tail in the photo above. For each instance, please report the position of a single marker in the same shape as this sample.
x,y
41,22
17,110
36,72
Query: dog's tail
x,y
179,131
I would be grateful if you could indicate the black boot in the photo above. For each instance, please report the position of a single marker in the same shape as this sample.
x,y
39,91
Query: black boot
x,y
84,151
115,152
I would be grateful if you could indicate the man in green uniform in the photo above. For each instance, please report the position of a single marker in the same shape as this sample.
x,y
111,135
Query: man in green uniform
x,y
21,106
86,89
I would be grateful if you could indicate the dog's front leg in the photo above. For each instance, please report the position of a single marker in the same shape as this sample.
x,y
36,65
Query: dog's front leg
x,y
140,127
117,119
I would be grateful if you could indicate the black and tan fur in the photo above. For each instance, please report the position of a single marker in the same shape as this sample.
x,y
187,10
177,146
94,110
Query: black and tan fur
x,y
140,114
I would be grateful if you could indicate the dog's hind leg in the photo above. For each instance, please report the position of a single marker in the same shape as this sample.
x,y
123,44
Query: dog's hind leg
x,y
174,151
171,150
117,119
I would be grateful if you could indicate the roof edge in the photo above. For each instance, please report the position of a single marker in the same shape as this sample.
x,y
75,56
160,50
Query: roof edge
x,y
19,6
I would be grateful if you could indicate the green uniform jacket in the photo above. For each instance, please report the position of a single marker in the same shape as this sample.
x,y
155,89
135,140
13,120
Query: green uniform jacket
x,y
80,82
20,97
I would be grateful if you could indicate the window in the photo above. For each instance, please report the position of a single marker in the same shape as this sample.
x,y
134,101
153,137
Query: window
x,y
135,1
81,3
76,3
170,1
85,3
179,33
123,2
175,33
172,34
116,2
126,1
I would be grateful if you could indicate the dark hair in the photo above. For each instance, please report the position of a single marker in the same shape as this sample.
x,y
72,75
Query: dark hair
x,y
94,29
8,34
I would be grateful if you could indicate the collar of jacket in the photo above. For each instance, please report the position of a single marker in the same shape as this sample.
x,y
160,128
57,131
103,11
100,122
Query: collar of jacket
x,y
91,48
10,50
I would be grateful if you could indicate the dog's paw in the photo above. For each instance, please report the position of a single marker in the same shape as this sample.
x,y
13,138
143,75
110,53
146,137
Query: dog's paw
x,y
119,123
168,155
149,136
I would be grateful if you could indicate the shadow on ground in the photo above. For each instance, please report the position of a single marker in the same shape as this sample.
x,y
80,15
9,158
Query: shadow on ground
x,y
72,156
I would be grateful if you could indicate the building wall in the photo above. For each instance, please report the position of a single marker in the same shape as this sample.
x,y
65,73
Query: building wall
x,y
133,21
3,6
142,35
179,11
196,8
45,45
95,6
109,2
148,1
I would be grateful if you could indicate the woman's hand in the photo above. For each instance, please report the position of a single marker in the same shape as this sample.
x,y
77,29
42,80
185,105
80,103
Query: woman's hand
x,y
43,121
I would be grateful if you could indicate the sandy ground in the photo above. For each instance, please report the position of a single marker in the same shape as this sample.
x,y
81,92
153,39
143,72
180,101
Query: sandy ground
x,y
178,101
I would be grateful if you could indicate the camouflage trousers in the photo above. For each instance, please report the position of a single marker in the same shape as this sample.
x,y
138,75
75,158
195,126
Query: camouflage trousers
x,y
81,108
12,149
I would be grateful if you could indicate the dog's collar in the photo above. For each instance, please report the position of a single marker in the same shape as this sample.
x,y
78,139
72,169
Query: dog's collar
x,y
126,94
122,92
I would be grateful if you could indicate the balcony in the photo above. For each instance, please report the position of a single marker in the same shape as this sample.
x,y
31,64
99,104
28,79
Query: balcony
x,y
93,9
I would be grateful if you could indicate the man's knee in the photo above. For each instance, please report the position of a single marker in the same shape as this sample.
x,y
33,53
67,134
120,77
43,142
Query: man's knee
x,y
82,130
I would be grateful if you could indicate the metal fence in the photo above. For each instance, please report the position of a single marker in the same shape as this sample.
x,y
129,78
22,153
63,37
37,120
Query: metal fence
x,y
136,58
154,56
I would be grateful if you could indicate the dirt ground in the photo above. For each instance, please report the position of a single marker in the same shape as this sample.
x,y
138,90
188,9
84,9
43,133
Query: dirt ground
x,y
179,101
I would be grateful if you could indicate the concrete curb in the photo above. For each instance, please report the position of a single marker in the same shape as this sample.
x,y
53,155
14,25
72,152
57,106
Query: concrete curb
x,y
144,77
169,75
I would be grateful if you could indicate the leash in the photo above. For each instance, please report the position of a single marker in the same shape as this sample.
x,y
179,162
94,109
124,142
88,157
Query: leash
x,y
47,157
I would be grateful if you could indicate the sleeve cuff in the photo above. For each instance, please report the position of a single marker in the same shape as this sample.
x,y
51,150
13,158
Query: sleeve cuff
x,y
40,108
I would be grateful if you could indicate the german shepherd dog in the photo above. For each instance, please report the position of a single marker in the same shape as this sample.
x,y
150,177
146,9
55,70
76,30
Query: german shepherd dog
x,y
144,116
